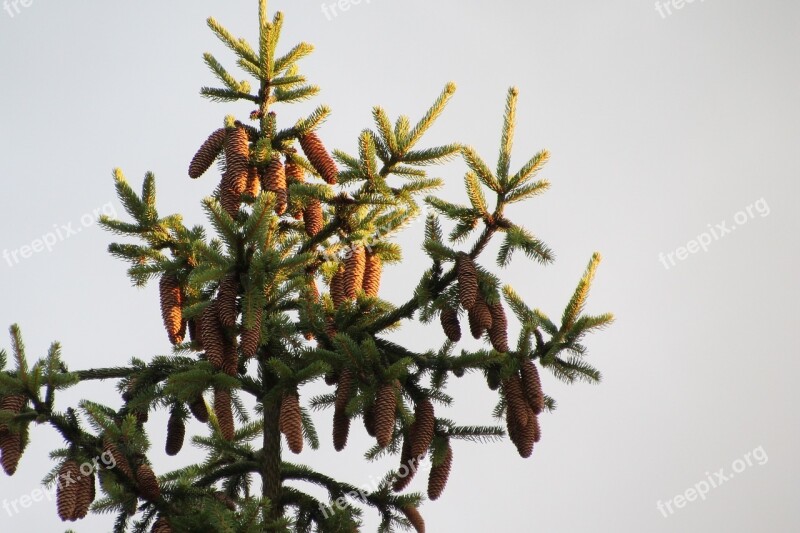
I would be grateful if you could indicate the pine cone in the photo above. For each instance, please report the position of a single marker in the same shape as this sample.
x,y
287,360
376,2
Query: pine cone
x,y
13,403
224,412
148,483
294,174
385,411
273,179
176,432
407,469
450,324
230,360
369,420
437,479
354,268
413,516
480,318
338,293
533,421
423,428
120,462
372,274
312,215
207,153
251,338
344,390
467,281
516,406
69,476
161,526
226,300
310,298
319,157
171,301
11,450
253,182
199,410
212,335
86,495
498,332
341,429
330,327
226,500
291,422
194,333
532,386
234,181
524,437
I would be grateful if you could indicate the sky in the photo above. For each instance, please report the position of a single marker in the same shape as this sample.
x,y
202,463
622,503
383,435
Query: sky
x,y
673,135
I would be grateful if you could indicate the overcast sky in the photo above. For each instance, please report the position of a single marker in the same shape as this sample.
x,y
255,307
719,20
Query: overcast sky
x,y
672,131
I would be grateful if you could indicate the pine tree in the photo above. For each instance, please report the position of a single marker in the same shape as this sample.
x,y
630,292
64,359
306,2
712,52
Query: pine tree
x,y
284,214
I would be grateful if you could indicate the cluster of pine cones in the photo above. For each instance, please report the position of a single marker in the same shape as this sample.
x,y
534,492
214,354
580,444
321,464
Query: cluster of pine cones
x,y
524,403
11,443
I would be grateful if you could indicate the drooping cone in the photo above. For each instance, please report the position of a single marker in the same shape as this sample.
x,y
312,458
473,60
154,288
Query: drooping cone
x,y
385,412
207,153
423,429
341,430
212,335
372,274
226,300
176,432
230,359
194,333
253,182
413,516
330,327
161,526
338,294
13,403
532,386
450,324
273,179
224,412
524,437
199,410
234,181
312,215
344,390
291,422
86,494
148,483
516,406
294,174
437,479
498,332
251,338
67,489
369,420
467,281
310,298
480,318
319,157
171,301
407,468
120,462
11,450
533,421
354,269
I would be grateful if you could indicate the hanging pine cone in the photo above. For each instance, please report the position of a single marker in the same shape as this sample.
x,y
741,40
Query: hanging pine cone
x,y
161,526
86,494
194,333
294,174
467,281
226,300
230,359
310,298
437,479
407,469
338,294
385,412
532,386
253,182
498,332
354,268
312,215
199,410
273,179
344,390
413,516
121,464
207,153
291,422
251,338
148,483
533,421
212,335
319,157
369,420
11,450
330,327
176,432
372,274
224,412
13,403
67,489
479,318
341,429
526,436
450,324
516,406
171,301
423,428
234,181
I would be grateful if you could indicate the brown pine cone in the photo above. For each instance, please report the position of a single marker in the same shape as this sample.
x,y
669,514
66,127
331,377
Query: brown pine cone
x,y
148,483
344,390
372,274
11,450
310,298
319,157
450,324
385,412
467,281
161,526
176,432
251,338
498,332
85,497
369,420
120,462
480,318
354,268
69,478
337,287
234,181
407,469
199,410
207,153
13,403
516,406
330,327
225,500
253,182
194,333
413,516
212,335
294,174
532,386
291,422
230,359
341,429
423,428
526,436
224,412
171,301
226,300
437,479
312,215
533,421
273,179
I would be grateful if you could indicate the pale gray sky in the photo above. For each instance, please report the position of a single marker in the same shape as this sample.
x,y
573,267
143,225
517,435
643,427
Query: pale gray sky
x,y
658,127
